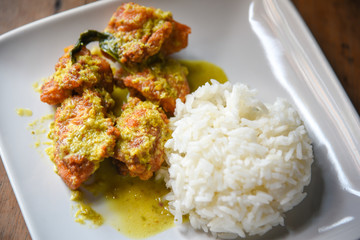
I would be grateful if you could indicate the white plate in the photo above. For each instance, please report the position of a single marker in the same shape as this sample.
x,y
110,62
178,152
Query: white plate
x,y
264,44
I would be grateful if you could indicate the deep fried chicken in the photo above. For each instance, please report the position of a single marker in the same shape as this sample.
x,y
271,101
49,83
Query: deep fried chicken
x,y
83,136
87,72
143,132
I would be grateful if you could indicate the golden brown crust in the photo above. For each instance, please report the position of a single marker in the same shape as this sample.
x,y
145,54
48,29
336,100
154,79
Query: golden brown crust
x,y
161,83
144,130
89,71
178,39
83,136
74,170
143,32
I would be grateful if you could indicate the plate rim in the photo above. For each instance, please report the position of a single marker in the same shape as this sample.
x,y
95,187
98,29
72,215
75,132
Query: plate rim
x,y
351,114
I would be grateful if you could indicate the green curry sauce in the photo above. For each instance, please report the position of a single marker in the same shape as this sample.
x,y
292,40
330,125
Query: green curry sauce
x,y
201,72
136,207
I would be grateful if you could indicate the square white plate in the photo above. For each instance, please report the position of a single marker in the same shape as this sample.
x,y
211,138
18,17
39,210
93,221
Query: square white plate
x,y
262,43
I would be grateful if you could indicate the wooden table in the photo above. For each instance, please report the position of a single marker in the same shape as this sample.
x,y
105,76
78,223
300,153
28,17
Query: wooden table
x,y
334,23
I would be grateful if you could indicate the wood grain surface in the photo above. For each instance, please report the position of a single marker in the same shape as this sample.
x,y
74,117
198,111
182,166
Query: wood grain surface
x,y
334,24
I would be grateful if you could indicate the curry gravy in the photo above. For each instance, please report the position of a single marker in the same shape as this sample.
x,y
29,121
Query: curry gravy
x,y
137,207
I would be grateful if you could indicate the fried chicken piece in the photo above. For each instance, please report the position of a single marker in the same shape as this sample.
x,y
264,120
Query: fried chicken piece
x,y
160,82
144,130
83,136
88,71
141,32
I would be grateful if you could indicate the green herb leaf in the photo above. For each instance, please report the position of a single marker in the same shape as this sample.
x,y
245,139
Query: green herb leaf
x,y
91,36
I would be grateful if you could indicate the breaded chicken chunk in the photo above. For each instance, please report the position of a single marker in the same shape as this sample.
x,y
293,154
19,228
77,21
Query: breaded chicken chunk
x,y
87,72
141,32
83,136
144,130
161,83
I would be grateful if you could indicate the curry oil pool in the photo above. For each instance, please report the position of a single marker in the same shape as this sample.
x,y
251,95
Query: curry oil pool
x,y
134,207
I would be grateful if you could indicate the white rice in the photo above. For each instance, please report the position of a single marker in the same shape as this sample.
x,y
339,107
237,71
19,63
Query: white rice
x,y
236,164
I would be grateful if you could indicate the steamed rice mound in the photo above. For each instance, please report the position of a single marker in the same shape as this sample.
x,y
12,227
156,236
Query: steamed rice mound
x,y
236,164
